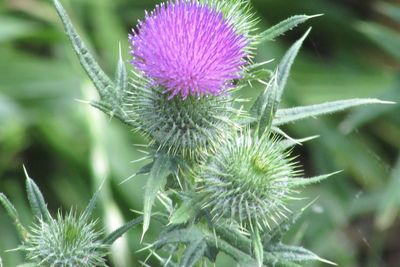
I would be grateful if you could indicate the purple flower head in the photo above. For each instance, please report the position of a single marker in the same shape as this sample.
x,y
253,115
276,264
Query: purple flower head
x,y
189,49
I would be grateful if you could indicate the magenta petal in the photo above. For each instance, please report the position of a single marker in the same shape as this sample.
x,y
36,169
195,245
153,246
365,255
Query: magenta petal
x,y
189,49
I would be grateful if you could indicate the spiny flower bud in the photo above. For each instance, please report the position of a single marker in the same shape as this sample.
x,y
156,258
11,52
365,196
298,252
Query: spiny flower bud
x,y
188,48
183,127
247,180
65,241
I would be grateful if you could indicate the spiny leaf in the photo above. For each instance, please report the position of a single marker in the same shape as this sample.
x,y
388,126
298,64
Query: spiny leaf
x,y
121,230
284,116
193,253
157,179
266,104
183,213
295,254
12,212
36,200
102,82
285,66
284,26
306,181
121,77
9,207
257,246
270,107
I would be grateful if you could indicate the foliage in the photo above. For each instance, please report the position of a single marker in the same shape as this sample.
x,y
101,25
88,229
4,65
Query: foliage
x,y
46,120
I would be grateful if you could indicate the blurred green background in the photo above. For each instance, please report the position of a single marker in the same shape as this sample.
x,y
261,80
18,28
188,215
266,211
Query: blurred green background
x,y
69,148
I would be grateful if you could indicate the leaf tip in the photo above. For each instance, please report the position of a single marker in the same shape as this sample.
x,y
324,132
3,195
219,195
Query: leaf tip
x,y
386,102
327,261
316,15
120,51
25,172
145,228
306,34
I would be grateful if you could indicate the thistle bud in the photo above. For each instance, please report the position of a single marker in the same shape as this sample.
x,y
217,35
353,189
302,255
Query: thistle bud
x,y
247,180
68,240
183,127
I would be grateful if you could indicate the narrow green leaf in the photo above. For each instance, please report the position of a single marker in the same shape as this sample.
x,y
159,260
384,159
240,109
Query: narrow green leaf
x,y
108,240
193,253
121,76
390,200
270,107
157,179
102,82
284,116
388,39
257,246
12,212
9,207
390,10
266,104
92,203
286,64
284,26
361,116
296,254
295,182
36,200
181,215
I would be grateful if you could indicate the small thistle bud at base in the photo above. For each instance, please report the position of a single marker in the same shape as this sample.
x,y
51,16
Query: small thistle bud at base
x,y
65,241
181,127
247,181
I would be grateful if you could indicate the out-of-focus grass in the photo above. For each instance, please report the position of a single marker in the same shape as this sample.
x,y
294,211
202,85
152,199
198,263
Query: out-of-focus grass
x,y
353,51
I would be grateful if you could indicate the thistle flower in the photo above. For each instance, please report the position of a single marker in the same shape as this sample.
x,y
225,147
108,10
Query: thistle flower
x,y
247,181
188,48
65,241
